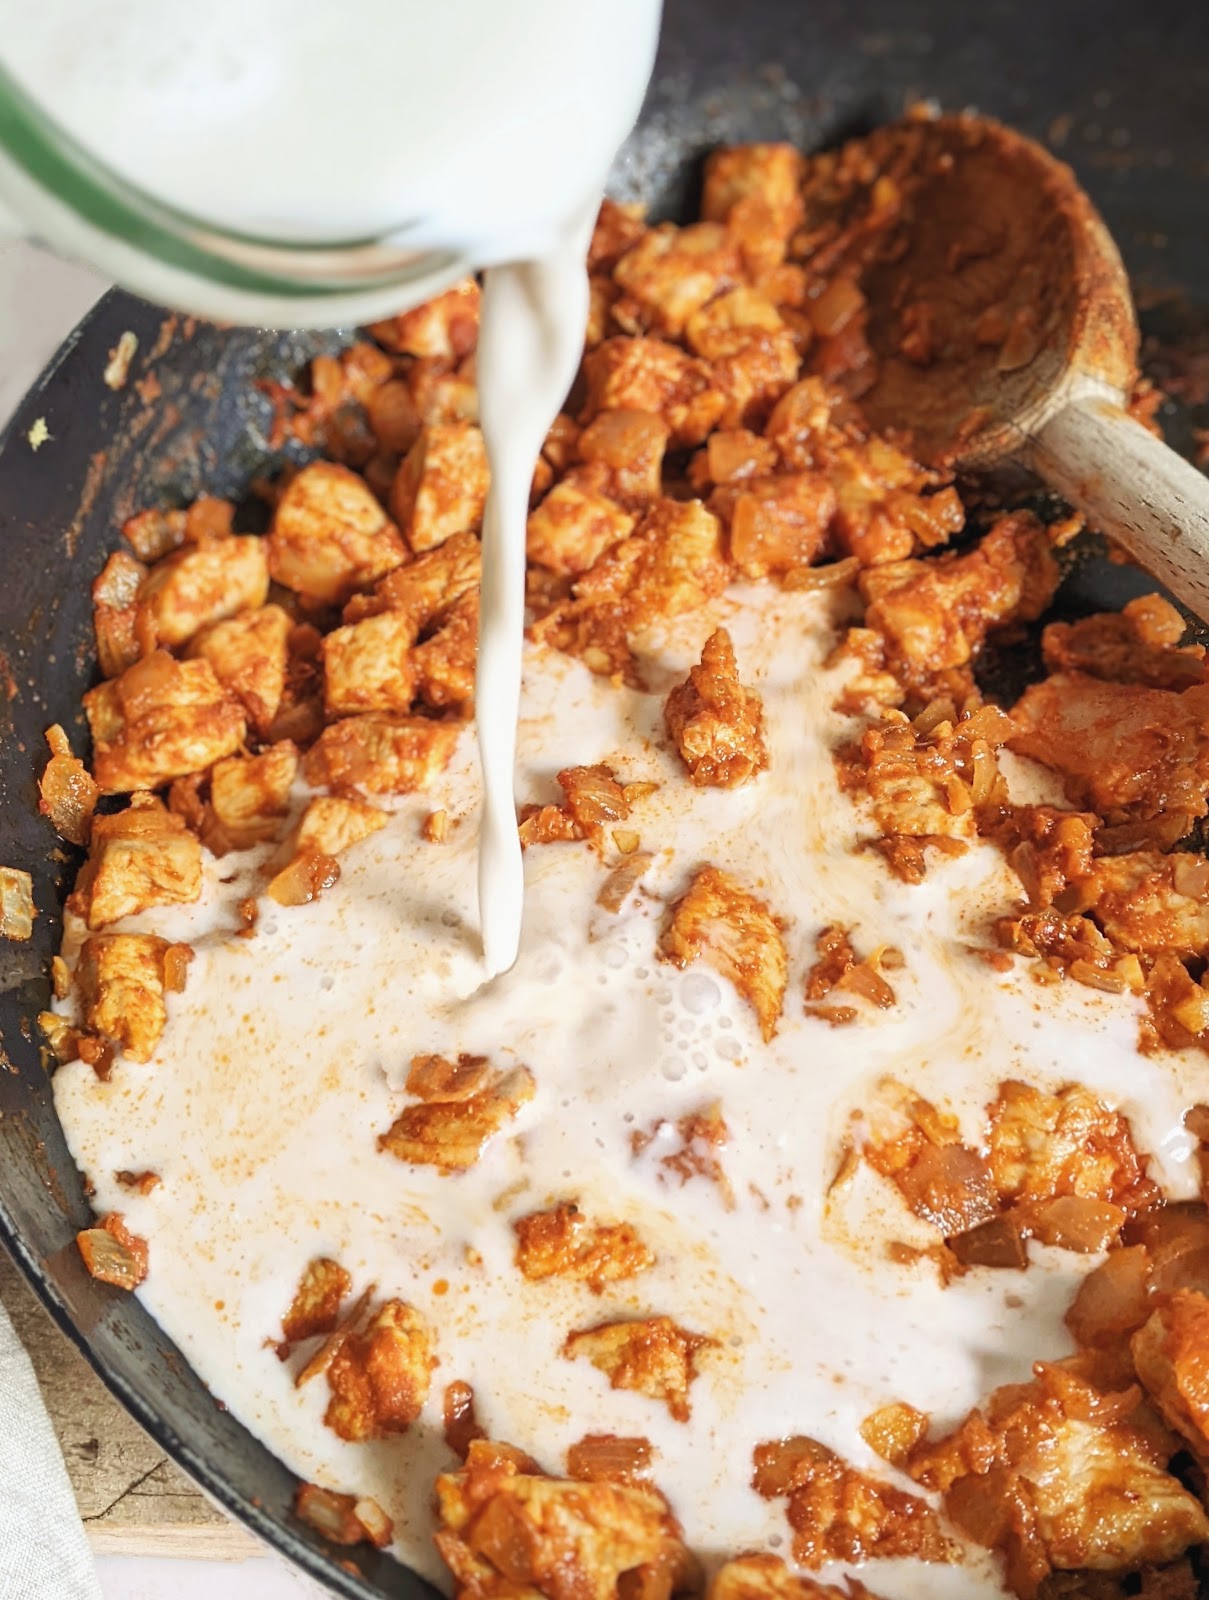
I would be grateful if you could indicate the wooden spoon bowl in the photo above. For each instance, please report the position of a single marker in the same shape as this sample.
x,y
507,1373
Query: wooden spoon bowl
x,y
1002,324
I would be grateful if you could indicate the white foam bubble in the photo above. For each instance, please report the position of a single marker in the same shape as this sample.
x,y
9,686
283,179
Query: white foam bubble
x,y
699,993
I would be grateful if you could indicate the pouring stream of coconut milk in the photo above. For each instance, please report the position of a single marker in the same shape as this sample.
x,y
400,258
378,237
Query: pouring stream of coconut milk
x,y
529,348
300,164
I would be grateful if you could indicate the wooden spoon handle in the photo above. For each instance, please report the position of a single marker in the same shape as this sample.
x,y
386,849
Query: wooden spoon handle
x,y
1134,488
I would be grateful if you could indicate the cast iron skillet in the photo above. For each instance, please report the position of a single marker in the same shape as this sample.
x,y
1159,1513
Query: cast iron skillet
x,y
1120,88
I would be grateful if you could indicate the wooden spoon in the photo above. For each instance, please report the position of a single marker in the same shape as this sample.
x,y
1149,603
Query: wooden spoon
x,y
1002,323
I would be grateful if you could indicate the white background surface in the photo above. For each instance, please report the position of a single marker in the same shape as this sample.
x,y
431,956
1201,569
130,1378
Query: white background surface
x,y
41,300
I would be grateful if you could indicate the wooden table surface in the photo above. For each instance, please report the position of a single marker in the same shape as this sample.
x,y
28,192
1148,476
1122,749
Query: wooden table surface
x,y
131,1497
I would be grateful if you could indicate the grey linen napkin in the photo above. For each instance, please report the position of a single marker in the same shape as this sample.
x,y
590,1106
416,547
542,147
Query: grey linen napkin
x,y
43,1552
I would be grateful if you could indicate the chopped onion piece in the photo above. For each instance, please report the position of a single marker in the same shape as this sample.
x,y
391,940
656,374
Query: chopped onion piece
x,y
16,904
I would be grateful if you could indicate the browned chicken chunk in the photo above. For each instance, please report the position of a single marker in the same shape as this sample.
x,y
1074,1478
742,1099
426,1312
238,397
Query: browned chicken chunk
x,y
562,1243
723,924
653,1355
717,723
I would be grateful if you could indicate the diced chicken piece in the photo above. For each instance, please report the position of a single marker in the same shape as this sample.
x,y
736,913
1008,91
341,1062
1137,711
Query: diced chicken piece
x,y
926,780
651,375
766,1577
330,535
367,665
153,534
755,190
445,328
1101,1504
249,654
1138,644
651,1355
114,598
1058,1476
112,1253
561,443
893,1431
1050,851
1149,902
160,720
840,1514
920,1150
249,795
562,1243
723,924
1045,1146
671,272
423,590
779,523
800,425
672,564
618,229
139,858
603,295
441,396
1121,749
935,615
445,661
17,911
883,513
199,585
379,1377
452,1135
394,419
331,823
508,1533
754,370
380,754
715,722
441,487
680,563
434,1078
1171,1356
66,792
120,979
627,446
572,527
300,716
344,1519
315,1308
733,456
710,331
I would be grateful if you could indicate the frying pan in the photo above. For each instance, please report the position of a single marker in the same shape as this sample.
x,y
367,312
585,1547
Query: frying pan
x,y
1119,89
